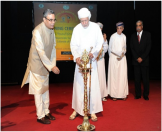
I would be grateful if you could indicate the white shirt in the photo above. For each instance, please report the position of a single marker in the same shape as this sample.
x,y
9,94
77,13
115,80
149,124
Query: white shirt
x,y
140,34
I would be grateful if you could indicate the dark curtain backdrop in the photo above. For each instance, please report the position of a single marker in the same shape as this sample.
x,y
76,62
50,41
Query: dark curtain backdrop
x,y
17,26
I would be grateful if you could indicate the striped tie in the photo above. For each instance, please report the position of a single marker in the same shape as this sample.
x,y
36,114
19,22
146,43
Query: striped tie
x,y
138,37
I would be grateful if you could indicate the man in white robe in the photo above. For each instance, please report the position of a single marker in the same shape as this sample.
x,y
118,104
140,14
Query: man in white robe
x,y
117,70
85,35
42,60
101,66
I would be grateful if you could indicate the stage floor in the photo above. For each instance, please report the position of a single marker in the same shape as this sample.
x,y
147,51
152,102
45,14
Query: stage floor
x,y
18,111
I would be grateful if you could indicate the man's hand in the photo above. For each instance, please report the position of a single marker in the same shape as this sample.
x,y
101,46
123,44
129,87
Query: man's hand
x,y
119,58
139,60
104,36
122,55
55,70
78,61
90,55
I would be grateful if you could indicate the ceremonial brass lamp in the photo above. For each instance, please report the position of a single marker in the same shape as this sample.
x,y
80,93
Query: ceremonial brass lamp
x,y
85,126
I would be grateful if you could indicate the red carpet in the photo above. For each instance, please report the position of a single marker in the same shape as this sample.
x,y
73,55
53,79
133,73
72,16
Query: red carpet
x,y
18,110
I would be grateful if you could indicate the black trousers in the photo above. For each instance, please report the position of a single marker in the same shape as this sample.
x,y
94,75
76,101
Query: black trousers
x,y
141,72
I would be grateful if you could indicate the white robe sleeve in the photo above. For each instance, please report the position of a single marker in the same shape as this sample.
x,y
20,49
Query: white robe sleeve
x,y
110,45
105,46
40,49
124,47
98,45
74,47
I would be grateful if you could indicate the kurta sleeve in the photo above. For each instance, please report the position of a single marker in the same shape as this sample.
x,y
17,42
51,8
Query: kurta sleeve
x,y
135,55
74,47
53,54
147,51
98,45
40,49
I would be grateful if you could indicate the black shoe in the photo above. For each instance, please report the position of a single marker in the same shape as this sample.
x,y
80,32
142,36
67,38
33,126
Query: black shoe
x,y
44,120
146,97
50,117
137,97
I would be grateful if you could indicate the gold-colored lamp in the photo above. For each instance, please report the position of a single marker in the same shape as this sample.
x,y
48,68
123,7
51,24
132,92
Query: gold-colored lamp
x,y
85,126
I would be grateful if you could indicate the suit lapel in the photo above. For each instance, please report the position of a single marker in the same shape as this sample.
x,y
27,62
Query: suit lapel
x,y
142,36
136,38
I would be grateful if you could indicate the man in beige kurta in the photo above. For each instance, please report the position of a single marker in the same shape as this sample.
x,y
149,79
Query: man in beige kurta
x,y
42,60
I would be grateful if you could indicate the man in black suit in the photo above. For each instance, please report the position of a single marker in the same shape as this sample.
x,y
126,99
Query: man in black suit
x,y
140,46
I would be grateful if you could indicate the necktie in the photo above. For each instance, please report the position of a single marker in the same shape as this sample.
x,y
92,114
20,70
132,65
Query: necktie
x,y
138,37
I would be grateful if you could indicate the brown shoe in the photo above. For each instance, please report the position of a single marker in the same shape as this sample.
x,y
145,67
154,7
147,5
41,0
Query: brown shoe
x,y
50,117
43,120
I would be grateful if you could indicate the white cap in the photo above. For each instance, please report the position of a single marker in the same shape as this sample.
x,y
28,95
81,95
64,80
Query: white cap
x,y
83,13
100,24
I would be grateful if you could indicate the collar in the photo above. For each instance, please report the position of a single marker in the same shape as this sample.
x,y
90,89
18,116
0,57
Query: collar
x,y
140,33
47,27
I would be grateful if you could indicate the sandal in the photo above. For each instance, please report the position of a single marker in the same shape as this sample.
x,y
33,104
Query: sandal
x,y
93,117
114,99
104,99
73,115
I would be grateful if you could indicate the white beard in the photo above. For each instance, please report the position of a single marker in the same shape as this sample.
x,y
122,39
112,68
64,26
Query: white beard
x,y
85,27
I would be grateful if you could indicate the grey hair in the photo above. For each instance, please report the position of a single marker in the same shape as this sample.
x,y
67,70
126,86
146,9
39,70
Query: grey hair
x,y
48,12
139,21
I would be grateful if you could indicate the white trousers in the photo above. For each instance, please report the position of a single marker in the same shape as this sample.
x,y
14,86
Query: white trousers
x,y
42,104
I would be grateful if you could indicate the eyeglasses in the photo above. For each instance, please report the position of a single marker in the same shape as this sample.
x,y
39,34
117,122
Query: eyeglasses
x,y
51,20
